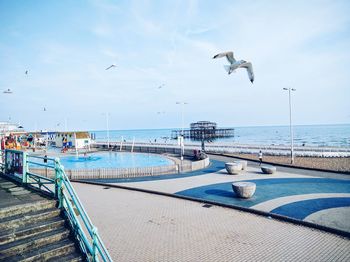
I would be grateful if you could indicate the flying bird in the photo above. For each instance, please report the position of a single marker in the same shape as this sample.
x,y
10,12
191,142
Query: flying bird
x,y
44,108
234,64
8,91
26,72
112,65
161,86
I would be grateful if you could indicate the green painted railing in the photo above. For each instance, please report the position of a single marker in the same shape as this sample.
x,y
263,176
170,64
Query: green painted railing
x,y
16,165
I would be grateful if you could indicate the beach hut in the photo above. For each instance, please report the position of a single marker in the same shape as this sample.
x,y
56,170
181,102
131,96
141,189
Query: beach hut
x,y
78,140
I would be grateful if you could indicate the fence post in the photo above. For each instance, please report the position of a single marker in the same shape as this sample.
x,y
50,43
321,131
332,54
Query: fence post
x,y
58,182
25,168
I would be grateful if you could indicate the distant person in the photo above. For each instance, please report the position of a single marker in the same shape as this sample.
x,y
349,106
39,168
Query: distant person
x,y
260,157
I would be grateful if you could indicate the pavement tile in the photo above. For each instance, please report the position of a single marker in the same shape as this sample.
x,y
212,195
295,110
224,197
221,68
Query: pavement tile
x,y
137,226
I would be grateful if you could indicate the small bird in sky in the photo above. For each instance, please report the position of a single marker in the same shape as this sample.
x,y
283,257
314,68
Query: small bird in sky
x,y
8,91
161,86
112,65
236,64
26,72
44,108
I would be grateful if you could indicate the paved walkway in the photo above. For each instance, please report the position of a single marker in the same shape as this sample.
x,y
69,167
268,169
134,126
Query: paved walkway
x,y
297,193
138,226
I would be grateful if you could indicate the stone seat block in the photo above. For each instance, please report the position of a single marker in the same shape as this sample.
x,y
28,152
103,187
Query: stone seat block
x,y
243,162
233,168
244,189
268,169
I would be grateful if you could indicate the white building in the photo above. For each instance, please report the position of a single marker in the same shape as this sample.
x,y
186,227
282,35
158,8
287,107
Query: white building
x,y
77,140
6,127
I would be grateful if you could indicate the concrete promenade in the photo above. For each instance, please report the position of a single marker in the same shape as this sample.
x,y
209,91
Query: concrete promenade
x,y
318,197
138,226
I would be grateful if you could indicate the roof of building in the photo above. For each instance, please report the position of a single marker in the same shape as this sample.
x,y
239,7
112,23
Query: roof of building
x,y
79,134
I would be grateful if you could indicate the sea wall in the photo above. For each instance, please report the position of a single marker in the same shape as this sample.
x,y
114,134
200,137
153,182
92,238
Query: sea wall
x,y
273,150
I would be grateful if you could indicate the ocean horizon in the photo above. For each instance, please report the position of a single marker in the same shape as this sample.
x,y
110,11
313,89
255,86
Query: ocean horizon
x,y
332,135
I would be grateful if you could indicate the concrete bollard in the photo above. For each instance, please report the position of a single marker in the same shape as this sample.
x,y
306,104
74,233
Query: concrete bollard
x,y
266,169
233,168
243,162
244,189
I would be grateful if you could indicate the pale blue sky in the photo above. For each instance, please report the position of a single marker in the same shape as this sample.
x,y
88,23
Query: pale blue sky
x,y
66,46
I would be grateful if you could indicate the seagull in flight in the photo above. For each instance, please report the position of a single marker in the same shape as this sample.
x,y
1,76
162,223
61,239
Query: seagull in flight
x,y
161,86
234,64
112,65
8,91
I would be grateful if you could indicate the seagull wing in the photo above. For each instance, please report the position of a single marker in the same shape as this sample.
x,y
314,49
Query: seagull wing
x,y
229,56
109,67
250,72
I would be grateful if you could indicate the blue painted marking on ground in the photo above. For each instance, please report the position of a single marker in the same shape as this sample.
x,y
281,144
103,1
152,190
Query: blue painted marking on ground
x,y
268,189
301,209
213,167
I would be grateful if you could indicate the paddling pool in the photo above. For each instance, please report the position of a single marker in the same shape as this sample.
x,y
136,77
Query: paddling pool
x,y
113,160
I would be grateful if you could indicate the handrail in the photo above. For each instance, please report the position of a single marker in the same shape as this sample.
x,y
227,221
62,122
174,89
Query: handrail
x,y
39,164
64,183
76,200
42,157
68,200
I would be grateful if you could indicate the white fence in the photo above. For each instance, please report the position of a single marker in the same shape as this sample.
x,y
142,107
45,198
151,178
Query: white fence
x,y
107,173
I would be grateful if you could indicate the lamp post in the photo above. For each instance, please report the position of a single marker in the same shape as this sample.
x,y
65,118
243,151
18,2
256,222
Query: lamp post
x,y
290,124
182,128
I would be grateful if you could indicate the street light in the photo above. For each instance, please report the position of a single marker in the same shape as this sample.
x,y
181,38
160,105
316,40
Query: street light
x,y
290,124
182,128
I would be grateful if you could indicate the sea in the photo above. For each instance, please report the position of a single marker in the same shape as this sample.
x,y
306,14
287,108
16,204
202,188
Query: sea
x,y
303,135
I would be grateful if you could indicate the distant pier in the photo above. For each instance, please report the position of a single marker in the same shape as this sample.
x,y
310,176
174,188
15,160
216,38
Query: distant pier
x,y
203,130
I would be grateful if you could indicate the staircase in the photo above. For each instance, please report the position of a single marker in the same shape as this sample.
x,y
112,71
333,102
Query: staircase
x,y
36,231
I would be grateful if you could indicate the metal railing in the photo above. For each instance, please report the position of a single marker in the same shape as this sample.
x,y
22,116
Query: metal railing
x,y
16,165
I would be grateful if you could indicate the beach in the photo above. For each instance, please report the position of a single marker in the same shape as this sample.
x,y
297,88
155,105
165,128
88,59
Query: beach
x,y
337,164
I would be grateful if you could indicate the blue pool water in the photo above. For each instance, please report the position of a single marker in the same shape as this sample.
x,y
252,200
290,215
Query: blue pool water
x,y
113,160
